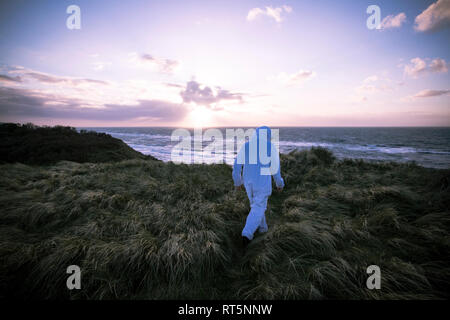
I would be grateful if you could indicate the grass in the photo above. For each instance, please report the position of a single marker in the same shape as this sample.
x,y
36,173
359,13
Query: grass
x,y
144,229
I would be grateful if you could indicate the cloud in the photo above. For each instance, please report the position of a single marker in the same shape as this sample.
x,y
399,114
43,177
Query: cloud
x,y
89,92
149,109
371,85
438,66
45,78
25,102
301,75
6,78
431,93
162,65
254,13
206,96
100,65
392,21
419,67
370,79
436,17
173,85
368,88
294,78
28,74
274,13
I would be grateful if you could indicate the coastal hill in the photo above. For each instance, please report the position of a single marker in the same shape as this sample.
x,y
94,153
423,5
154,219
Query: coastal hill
x,y
142,229
32,144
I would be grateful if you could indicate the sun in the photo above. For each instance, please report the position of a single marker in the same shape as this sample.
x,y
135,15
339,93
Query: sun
x,y
200,117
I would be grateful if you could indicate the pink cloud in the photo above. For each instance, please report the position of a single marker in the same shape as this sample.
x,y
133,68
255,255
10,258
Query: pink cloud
x,y
419,67
438,65
274,13
431,93
434,18
392,21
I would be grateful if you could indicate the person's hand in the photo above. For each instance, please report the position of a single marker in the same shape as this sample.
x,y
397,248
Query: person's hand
x,y
279,189
238,188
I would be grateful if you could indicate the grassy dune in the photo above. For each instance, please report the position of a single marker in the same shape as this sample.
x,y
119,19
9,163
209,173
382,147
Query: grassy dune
x,y
144,229
32,144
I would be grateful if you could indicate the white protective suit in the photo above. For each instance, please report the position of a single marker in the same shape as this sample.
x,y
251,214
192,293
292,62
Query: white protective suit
x,y
261,161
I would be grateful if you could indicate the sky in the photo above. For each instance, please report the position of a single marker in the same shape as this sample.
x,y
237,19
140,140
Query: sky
x,y
225,63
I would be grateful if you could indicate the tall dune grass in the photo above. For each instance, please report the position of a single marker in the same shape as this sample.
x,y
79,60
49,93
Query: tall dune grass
x,y
143,229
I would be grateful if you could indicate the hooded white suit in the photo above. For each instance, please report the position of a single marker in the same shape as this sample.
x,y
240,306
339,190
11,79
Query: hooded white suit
x,y
260,160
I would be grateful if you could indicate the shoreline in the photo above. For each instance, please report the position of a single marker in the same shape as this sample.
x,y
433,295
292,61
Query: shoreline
x,y
157,142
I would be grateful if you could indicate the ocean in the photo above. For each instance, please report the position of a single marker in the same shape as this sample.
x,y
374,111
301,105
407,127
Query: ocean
x,y
429,147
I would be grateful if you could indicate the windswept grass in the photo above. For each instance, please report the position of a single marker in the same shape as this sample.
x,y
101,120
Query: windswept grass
x,y
143,229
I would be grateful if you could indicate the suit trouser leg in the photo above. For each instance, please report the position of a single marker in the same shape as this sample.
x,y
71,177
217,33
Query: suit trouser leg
x,y
263,225
255,218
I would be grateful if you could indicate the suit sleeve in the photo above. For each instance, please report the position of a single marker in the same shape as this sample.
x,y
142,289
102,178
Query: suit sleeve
x,y
277,172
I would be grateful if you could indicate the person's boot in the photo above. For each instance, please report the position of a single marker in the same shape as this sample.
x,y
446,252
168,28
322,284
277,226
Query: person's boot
x,y
245,241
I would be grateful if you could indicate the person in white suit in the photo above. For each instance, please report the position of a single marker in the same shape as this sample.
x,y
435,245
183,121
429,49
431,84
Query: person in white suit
x,y
259,160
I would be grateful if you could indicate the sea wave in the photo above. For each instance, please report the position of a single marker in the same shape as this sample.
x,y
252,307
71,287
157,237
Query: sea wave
x,y
138,135
430,149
